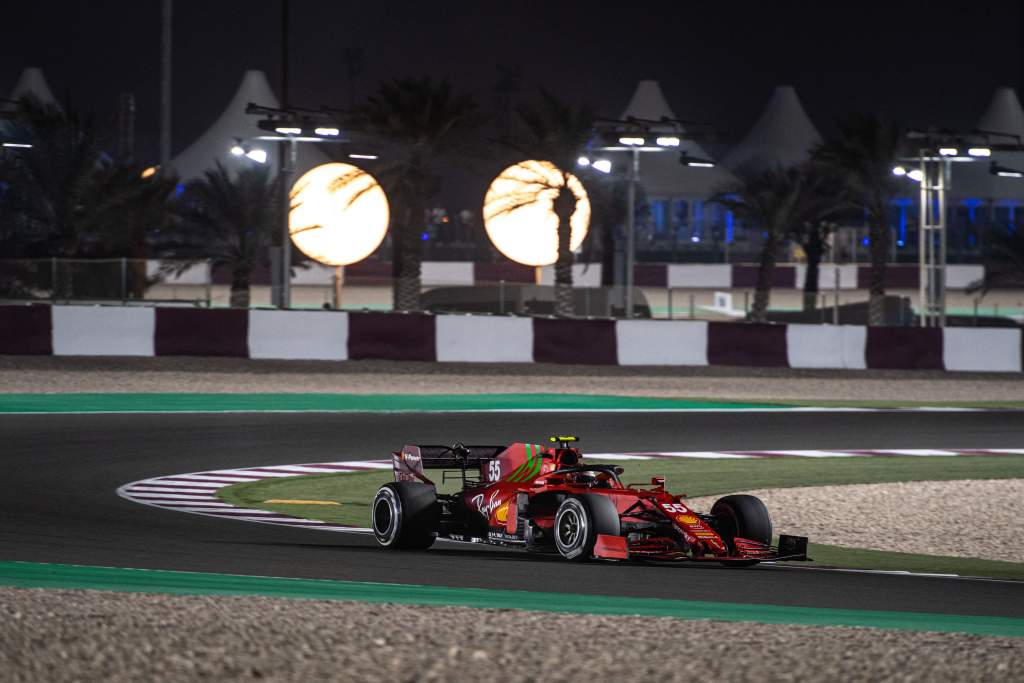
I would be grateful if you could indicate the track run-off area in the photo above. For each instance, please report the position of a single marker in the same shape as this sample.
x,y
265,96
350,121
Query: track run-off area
x,y
62,473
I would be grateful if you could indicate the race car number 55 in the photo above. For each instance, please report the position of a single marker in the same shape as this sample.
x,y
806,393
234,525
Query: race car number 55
x,y
494,470
674,507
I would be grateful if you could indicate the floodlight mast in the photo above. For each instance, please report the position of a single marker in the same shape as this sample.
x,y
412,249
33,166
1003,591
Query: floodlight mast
x,y
938,150
631,135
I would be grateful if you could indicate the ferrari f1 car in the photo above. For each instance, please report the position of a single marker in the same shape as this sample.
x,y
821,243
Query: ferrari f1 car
x,y
546,499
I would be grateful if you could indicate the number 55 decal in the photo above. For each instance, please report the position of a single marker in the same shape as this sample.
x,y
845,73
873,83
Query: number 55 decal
x,y
494,470
674,507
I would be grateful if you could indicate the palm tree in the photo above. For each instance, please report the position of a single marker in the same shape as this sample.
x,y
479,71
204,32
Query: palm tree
x,y
556,132
772,201
422,120
228,219
53,181
825,201
68,199
864,153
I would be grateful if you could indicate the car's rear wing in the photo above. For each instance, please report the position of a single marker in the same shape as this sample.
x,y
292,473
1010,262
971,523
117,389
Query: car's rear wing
x,y
410,462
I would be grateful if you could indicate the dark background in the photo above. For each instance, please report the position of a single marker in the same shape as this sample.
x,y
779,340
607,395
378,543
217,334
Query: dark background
x,y
919,63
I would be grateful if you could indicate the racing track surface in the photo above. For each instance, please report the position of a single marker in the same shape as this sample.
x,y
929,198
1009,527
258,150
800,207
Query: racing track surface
x,y
59,474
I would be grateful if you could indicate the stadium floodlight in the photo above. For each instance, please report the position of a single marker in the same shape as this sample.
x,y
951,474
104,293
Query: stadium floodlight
x,y
979,152
583,161
602,165
899,171
331,132
632,141
668,141
947,151
695,162
288,130
1004,172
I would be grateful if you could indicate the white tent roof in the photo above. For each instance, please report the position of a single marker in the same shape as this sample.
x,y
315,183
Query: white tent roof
x,y
973,180
32,82
213,145
661,173
1004,113
782,135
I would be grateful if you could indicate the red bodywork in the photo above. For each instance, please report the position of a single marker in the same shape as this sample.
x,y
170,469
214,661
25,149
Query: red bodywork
x,y
525,480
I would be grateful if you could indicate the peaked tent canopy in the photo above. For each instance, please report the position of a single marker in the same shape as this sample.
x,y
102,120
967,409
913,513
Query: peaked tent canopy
x,y
784,134
1004,114
661,174
32,83
213,145
974,180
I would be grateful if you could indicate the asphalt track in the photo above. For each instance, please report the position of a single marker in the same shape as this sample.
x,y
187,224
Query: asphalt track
x,y
58,475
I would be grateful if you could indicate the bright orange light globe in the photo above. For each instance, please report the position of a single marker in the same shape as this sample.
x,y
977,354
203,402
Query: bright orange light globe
x,y
519,214
339,214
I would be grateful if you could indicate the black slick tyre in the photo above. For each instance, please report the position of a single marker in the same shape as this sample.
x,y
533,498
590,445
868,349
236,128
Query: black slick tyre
x,y
405,515
578,522
743,516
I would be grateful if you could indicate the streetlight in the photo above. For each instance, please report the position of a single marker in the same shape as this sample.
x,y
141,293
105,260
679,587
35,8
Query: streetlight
x,y
631,137
936,154
290,126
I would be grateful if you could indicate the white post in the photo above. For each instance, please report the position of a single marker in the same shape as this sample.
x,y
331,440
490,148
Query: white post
x,y
634,168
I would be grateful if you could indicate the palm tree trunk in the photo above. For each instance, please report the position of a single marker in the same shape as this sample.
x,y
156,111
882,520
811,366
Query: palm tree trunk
x,y
240,296
408,259
813,249
564,205
879,237
765,269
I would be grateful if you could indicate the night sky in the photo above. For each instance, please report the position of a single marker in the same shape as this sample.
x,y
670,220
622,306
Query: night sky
x,y
717,65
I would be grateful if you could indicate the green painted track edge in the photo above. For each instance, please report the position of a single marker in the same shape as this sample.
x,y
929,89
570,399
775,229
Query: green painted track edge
x,y
39,575
258,402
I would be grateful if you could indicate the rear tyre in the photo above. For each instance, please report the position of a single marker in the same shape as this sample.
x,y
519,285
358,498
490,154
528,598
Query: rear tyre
x,y
405,515
743,516
578,522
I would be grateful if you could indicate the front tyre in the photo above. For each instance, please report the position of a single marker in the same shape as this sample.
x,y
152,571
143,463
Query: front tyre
x,y
405,515
743,516
578,522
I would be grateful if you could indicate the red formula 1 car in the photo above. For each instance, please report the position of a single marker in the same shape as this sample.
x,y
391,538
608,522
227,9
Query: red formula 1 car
x,y
548,500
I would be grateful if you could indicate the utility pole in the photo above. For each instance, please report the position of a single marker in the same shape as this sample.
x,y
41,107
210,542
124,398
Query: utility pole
x,y
165,82
285,170
633,172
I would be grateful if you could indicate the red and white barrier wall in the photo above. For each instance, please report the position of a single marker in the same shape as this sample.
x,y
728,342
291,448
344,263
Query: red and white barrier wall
x,y
334,335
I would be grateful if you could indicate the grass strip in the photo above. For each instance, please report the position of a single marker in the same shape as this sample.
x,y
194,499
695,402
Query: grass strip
x,y
881,560
354,493
37,575
695,477
186,402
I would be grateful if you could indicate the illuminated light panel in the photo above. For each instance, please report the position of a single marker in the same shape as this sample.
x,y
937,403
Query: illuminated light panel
x,y
339,214
519,214
899,170
257,155
631,141
327,131
287,130
148,172
948,151
668,141
979,152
